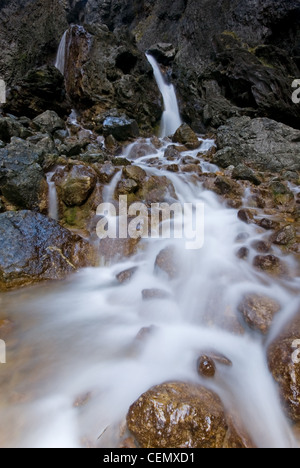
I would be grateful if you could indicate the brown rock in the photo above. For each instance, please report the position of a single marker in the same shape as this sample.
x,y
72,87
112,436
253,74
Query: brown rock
x,y
126,275
243,253
186,137
190,160
191,168
173,168
105,172
246,216
112,145
284,236
206,367
268,224
77,185
261,246
259,311
140,149
157,189
182,415
269,263
226,186
166,262
135,173
284,363
127,186
172,153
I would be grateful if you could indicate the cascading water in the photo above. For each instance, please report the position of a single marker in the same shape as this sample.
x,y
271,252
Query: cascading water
x,y
61,54
79,367
52,197
171,120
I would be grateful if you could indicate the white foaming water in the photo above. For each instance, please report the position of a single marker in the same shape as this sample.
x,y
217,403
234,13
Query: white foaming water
x,y
61,54
171,120
76,340
78,337
52,197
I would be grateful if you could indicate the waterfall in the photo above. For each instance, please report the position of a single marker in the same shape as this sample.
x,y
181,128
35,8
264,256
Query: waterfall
x,y
171,120
53,201
61,54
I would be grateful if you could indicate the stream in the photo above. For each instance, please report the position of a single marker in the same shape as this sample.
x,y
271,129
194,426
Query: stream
x,y
74,364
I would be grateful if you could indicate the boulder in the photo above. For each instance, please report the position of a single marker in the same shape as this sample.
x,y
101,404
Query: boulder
x,y
49,122
187,137
126,275
127,187
135,173
172,153
269,263
284,236
284,363
22,180
246,216
105,172
11,127
34,248
242,172
259,311
76,186
166,262
121,128
261,143
183,415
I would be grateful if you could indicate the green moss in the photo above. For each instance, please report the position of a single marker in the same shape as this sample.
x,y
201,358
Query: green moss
x,y
231,34
262,60
70,216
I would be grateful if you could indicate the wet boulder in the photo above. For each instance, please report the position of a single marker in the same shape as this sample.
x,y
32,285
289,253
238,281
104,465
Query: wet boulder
x,y
121,128
284,236
206,367
259,311
75,186
49,122
167,263
242,172
135,173
34,248
187,137
11,127
269,263
22,180
183,415
105,172
284,363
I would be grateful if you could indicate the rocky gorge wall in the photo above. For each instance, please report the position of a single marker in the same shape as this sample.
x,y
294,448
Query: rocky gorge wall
x,y
232,58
